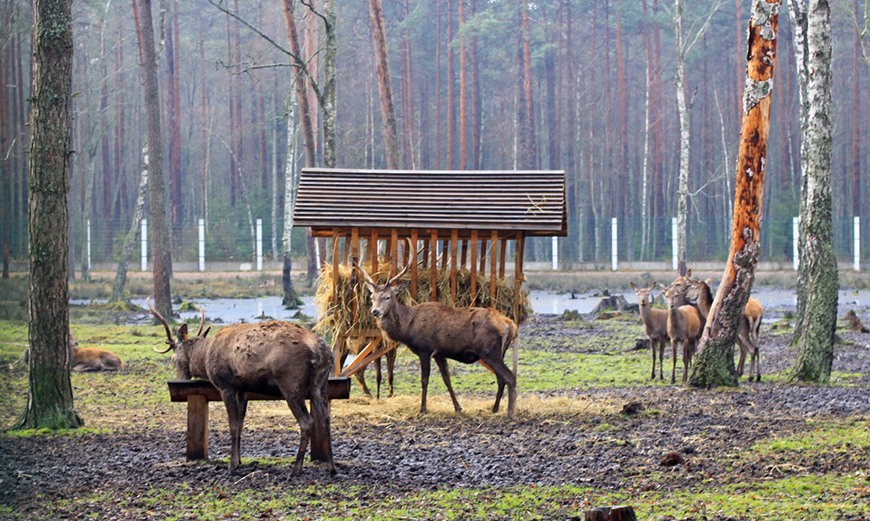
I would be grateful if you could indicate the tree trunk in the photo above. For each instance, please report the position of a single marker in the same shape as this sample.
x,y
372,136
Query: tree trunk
x,y
818,264
50,396
157,211
714,364
328,93
451,84
132,233
291,299
388,110
463,93
7,189
438,144
531,147
685,141
174,124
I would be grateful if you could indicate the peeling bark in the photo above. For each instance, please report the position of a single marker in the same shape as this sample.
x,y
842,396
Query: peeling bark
x,y
714,363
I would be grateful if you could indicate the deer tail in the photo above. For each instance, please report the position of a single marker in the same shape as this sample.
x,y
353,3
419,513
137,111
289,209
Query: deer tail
x,y
509,338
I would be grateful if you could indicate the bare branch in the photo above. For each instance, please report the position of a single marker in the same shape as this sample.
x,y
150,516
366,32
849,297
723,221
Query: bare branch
x,y
703,28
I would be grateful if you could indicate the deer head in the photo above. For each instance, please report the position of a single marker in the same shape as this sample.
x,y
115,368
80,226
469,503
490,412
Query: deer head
x,y
183,345
384,296
643,294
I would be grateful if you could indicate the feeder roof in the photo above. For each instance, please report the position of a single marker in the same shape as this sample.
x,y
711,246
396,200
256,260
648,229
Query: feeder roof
x,y
529,201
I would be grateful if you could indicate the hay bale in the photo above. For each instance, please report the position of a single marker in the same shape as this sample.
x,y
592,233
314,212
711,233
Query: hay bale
x,y
338,316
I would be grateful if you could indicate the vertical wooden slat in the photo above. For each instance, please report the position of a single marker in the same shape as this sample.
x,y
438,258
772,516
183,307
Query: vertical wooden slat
x,y
354,247
425,263
454,236
518,282
373,248
493,256
502,254
336,244
473,266
433,282
482,268
394,252
346,252
464,254
412,258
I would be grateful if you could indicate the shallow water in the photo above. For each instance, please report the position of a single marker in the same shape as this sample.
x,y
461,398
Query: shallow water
x,y
229,311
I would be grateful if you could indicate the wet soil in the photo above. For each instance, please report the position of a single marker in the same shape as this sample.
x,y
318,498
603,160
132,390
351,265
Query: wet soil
x,y
712,430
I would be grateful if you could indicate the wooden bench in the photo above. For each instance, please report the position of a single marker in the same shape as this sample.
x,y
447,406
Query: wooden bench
x,y
197,394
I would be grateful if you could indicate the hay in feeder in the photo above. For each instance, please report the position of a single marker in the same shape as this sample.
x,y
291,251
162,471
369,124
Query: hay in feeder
x,y
339,316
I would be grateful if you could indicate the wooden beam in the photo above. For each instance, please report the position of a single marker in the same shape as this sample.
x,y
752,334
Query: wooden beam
x,y
354,247
433,281
394,252
518,282
473,266
453,246
502,254
483,247
373,248
197,428
357,363
412,258
493,256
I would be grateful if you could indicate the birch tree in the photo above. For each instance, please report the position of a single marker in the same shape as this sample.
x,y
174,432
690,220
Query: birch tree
x,y
132,232
714,364
817,269
683,107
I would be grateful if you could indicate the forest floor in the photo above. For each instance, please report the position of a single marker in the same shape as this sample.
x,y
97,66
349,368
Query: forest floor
x,y
768,450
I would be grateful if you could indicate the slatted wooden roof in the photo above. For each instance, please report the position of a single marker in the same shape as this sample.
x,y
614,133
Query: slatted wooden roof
x,y
529,201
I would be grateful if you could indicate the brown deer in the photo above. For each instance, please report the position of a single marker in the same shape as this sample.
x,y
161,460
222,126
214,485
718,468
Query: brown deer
x,y
684,327
271,357
748,330
655,322
435,330
89,359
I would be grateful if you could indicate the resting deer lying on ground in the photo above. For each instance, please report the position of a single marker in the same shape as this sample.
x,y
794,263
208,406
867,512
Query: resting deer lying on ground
x,y
747,331
684,327
655,322
271,357
87,359
435,330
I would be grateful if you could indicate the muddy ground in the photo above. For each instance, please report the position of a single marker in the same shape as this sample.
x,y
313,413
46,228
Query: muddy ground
x,y
600,448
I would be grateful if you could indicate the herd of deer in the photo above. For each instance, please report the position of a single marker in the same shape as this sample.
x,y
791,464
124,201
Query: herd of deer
x,y
682,323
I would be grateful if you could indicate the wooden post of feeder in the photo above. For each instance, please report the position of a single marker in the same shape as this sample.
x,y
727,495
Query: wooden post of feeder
x,y
433,282
373,251
412,258
354,247
394,252
483,257
518,282
336,246
473,266
493,256
454,235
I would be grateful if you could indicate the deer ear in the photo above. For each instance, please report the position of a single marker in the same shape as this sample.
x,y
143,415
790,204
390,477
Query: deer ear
x,y
632,286
399,288
689,274
182,332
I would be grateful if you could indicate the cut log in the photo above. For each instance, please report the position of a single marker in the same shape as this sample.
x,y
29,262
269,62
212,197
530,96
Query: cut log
x,y
618,513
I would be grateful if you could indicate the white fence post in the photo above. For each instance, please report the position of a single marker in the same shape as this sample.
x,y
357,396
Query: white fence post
x,y
614,262
259,244
795,229
857,243
144,244
89,244
674,252
555,253
202,245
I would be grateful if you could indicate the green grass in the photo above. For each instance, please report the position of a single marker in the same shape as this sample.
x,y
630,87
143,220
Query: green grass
x,y
825,496
821,437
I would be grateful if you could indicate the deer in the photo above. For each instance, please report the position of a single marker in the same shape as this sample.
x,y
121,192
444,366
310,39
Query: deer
x,y
655,322
684,327
90,359
435,330
269,358
748,330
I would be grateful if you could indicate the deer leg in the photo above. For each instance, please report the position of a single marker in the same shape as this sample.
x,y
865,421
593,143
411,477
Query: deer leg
x,y
425,367
652,345
505,377
687,358
498,395
674,357
236,406
661,359
378,378
391,363
445,375
361,378
305,421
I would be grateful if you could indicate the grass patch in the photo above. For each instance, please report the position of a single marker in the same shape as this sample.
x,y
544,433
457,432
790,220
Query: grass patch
x,y
821,437
827,496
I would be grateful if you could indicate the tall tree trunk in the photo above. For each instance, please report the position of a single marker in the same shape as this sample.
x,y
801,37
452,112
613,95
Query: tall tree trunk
x,y
624,197
818,264
531,146
291,300
685,141
856,127
105,148
157,211
463,93
715,361
231,106
132,233
173,116
438,143
50,396
328,107
388,110
451,84
476,121
7,213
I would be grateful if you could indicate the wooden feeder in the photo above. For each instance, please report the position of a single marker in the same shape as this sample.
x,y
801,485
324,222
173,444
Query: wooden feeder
x,y
474,216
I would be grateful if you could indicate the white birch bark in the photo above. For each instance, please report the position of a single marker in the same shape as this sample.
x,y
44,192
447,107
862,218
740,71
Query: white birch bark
x,y
289,177
132,233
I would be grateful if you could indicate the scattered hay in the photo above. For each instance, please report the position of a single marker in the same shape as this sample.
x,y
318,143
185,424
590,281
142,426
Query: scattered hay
x,y
338,316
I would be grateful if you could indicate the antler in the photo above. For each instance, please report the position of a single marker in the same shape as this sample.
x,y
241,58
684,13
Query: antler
x,y
165,326
405,269
364,274
201,321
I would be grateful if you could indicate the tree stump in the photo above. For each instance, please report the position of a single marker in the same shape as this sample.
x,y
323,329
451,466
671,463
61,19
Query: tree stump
x,y
618,513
